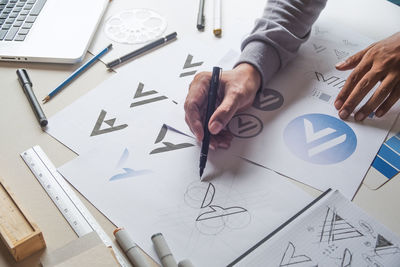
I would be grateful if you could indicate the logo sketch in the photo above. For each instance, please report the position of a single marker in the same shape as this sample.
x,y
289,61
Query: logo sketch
x,y
320,139
126,172
245,125
268,99
167,146
139,94
290,259
189,64
97,129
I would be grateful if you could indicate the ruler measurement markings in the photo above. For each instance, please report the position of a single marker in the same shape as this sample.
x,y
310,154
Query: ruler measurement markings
x,y
70,206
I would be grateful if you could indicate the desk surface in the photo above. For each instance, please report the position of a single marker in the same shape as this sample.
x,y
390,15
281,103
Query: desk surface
x,y
20,129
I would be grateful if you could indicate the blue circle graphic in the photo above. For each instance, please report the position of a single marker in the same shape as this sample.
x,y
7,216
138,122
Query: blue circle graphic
x,y
320,139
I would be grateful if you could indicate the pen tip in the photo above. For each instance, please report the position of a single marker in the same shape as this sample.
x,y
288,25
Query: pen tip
x,y
201,172
46,99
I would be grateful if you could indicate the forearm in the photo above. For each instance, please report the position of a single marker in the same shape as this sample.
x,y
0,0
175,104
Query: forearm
x,y
278,34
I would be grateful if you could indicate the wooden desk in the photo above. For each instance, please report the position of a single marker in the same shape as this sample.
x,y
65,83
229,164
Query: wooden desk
x,y
20,129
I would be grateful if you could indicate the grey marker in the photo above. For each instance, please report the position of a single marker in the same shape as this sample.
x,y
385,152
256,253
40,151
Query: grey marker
x,y
163,251
200,16
132,251
185,263
26,85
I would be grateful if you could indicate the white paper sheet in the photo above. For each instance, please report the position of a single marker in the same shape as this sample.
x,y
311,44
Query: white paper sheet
x,y
210,223
293,127
334,232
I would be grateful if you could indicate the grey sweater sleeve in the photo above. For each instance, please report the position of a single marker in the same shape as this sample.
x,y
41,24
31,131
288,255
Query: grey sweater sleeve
x,y
278,34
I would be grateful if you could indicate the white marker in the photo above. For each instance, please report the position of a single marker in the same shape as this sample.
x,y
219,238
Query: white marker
x,y
132,251
163,251
217,18
185,263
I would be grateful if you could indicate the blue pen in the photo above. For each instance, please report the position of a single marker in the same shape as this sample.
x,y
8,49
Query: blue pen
x,y
76,73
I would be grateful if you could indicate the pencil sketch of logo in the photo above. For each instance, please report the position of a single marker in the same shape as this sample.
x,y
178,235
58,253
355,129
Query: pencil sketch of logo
x,y
340,54
385,247
167,146
190,65
268,99
124,172
245,125
140,94
217,210
98,128
336,228
319,48
320,139
291,258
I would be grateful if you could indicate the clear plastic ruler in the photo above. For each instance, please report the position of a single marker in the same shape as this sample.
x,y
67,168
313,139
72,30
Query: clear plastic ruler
x,y
60,192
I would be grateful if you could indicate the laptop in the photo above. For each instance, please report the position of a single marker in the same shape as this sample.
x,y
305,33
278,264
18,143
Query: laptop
x,y
56,31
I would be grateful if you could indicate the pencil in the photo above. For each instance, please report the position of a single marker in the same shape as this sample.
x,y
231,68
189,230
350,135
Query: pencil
x,y
76,74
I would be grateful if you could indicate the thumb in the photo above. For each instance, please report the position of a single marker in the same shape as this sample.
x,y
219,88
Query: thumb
x,y
222,115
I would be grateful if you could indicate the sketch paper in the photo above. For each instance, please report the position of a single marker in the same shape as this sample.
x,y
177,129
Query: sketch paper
x,y
113,112
209,222
333,232
149,89
293,127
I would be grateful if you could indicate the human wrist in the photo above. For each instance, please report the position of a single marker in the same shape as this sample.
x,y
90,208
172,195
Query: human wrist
x,y
250,75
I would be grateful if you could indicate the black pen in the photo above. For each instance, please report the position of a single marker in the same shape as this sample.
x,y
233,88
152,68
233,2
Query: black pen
x,y
212,97
142,50
26,85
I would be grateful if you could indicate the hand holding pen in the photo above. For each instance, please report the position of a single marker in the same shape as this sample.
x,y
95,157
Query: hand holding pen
x,y
238,88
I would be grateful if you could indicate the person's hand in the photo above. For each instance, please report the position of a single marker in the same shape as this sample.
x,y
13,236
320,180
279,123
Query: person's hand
x,y
237,90
378,62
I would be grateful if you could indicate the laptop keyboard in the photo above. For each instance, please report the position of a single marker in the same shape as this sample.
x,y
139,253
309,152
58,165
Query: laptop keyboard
x,y
17,18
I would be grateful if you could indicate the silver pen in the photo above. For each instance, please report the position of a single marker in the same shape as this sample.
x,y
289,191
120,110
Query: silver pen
x,y
200,16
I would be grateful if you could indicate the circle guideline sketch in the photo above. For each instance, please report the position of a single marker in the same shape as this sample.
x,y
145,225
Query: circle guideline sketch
x,y
320,139
268,100
218,209
245,125
135,26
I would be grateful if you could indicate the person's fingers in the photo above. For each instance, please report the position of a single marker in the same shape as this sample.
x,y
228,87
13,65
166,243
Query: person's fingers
x,y
355,76
360,91
389,102
352,61
223,113
195,103
384,89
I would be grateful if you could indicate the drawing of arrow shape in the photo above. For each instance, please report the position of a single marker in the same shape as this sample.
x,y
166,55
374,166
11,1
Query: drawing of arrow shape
x,y
327,145
267,100
96,130
139,91
169,147
311,135
189,64
128,174
217,211
242,124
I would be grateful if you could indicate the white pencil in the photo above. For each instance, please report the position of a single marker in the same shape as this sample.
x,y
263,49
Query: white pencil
x,y
217,18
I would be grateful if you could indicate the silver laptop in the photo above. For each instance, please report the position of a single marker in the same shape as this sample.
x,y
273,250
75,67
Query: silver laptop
x,y
56,31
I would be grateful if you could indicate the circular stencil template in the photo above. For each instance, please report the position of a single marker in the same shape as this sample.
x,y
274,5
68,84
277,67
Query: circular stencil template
x,y
135,26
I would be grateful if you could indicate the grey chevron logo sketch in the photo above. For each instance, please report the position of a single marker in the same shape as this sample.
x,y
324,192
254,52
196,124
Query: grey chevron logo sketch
x,y
188,64
139,93
245,126
97,127
168,146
